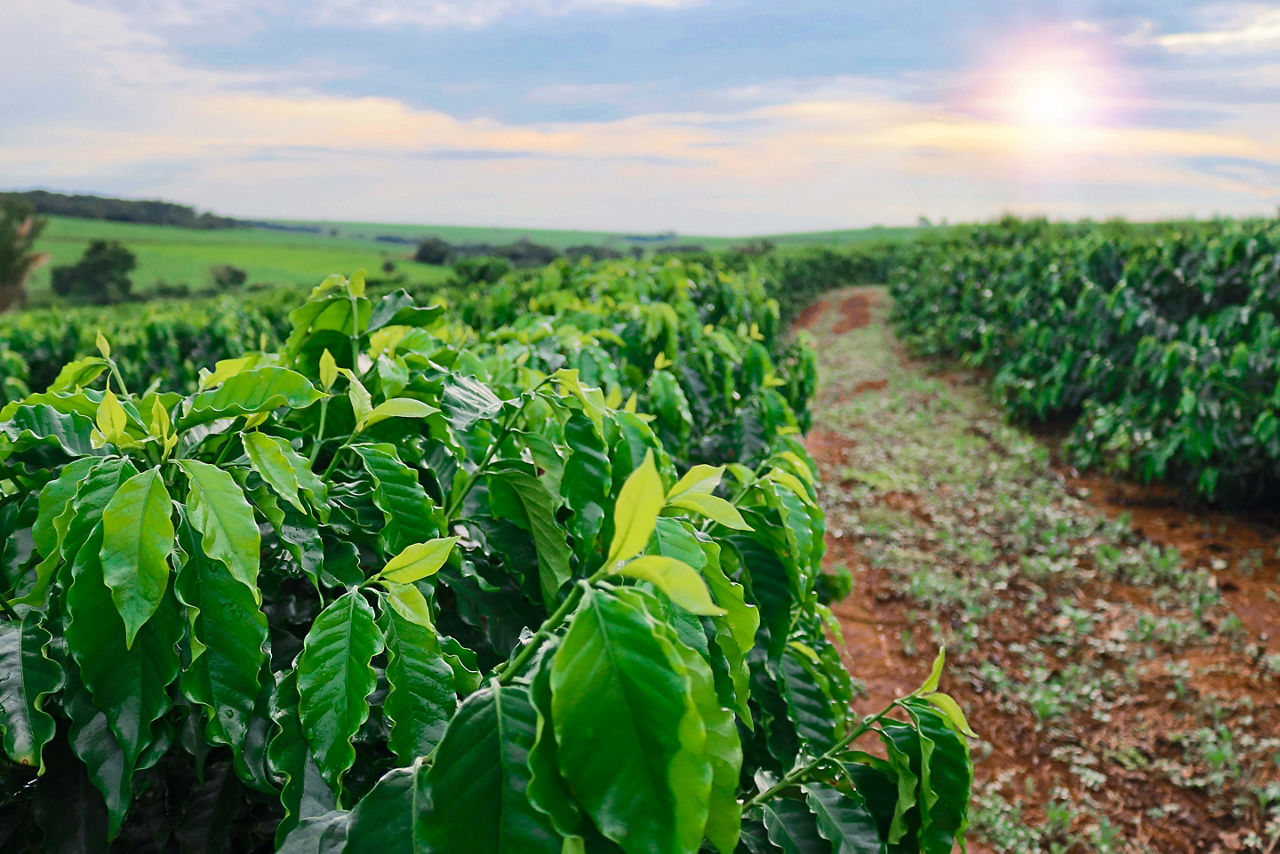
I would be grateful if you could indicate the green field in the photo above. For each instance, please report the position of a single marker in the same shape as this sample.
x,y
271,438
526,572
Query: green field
x,y
185,256
168,255
561,239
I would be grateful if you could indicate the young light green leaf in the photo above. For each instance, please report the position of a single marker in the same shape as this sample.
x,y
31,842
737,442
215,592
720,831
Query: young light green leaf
x,y
111,419
636,513
137,538
409,603
418,560
78,374
361,401
680,582
103,347
713,507
952,710
328,370
935,674
399,407
700,480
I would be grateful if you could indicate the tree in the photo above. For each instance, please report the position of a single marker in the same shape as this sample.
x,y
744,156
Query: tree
x,y
101,275
19,228
226,276
433,250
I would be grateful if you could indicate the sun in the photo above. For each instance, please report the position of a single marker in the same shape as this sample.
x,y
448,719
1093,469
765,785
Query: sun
x,y
1049,98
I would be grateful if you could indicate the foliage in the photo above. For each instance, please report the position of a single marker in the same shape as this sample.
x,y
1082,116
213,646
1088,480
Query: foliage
x,y
1157,342
227,276
19,230
120,210
480,269
473,586
433,250
101,275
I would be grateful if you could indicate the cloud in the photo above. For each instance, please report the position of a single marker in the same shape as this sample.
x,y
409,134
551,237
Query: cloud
x,y
121,112
1229,29
374,14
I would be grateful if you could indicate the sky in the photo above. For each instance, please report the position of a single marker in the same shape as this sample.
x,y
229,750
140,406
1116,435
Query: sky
x,y
727,117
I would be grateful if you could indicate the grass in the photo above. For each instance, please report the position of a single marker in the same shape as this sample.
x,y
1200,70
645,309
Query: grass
x,y
185,256
182,256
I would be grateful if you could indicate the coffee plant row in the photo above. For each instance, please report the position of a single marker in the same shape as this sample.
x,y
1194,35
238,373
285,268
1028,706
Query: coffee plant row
x,y
451,580
1159,344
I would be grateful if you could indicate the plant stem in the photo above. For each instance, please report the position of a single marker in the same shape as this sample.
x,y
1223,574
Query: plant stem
x,y
315,449
506,671
488,458
795,775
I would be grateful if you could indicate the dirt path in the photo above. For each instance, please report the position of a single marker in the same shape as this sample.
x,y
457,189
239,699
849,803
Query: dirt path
x,y
1117,651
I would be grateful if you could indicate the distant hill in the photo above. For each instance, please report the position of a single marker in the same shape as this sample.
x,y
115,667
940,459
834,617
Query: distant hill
x,y
121,210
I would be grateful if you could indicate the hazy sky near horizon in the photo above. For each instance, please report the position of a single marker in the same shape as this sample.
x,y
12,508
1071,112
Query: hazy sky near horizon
x,y
704,116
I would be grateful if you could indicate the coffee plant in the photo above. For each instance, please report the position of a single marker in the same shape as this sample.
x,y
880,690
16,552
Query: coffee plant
x,y
1158,343
543,580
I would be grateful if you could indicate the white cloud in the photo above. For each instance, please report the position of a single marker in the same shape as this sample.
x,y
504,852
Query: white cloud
x,y
1228,29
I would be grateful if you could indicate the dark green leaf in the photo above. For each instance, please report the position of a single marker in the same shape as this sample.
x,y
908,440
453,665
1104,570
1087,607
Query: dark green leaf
x,y
335,678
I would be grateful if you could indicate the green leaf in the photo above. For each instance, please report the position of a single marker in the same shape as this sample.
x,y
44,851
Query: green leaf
x,y
209,812
28,677
714,508
418,561
250,392
106,765
547,789
41,425
724,751
946,778
335,678
56,510
843,818
79,373
792,826
467,401
229,635
476,786
585,483
399,407
406,509
540,519
219,511
303,791
699,480
808,703
421,697
398,309
680,582
636,513
328,370
268,456
953,712
388,819
137,538
627,730
935,674
129,682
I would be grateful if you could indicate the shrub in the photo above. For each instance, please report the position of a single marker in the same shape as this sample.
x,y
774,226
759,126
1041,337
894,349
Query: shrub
x,y
226,276
433,250
101,275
